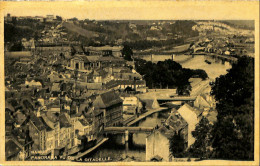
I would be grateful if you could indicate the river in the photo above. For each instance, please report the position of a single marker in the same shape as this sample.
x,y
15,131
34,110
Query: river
x,y
117,150
135,149
215,69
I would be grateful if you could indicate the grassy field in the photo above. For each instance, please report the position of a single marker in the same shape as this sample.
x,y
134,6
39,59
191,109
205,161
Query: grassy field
x,y
79,30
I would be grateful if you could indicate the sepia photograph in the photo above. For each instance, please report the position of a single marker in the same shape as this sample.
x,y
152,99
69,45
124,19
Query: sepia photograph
x,y
97,84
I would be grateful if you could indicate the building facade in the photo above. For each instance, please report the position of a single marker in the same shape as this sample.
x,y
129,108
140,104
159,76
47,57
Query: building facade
x,y
111,104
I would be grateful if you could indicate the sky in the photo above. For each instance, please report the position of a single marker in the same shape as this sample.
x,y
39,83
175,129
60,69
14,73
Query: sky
x,y
130,10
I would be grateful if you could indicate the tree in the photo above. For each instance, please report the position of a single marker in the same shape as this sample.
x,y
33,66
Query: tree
x,y
17,47
233,134
200,73
177,145
202,145
74,19
36,36
128,89
58,67
184,89
127,53
59,18
167,74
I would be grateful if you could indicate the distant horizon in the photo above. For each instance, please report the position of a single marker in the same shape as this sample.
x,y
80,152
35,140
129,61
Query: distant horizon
x,y
249,23
114,10
129,19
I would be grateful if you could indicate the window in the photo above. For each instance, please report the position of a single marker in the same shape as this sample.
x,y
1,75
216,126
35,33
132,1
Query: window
x,y
77,65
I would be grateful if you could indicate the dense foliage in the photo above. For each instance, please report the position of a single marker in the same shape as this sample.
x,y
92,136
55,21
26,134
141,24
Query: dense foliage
x,y
14,33
233,134
202,146
18,29
17,47
177,145
58,18
127,53
168,74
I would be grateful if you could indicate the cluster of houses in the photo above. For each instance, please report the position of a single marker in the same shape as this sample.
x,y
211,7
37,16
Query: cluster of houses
x,y
67,110
56,119
53,34
64,110
216,26
228,46
61,98
224,40
47,18
57,124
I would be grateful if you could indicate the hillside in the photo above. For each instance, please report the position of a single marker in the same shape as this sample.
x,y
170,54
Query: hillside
x,y
243,24
80,31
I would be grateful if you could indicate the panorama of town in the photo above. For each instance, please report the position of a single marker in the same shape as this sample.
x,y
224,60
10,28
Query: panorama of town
x,y
128,90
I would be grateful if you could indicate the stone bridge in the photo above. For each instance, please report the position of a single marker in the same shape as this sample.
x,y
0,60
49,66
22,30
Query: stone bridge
x,y
116,130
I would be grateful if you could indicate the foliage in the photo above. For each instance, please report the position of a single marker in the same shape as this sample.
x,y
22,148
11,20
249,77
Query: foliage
x,y
128,89
17,30
168,74
177,145
59,18
14,33
202,134
127,53
234,131
17,47
58,67
93,33
184,89
200,73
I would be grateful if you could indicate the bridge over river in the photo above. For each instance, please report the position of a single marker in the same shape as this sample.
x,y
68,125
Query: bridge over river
x,y
228,58
177,98
128,131
115,130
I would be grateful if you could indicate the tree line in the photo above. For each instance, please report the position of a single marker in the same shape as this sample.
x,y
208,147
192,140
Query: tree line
x,y
168,74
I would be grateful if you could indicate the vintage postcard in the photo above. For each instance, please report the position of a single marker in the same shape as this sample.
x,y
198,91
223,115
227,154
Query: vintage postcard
x,y
129,83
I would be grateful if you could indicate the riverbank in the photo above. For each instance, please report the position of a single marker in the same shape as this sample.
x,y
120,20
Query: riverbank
x,y
162,57
213,70
79,155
